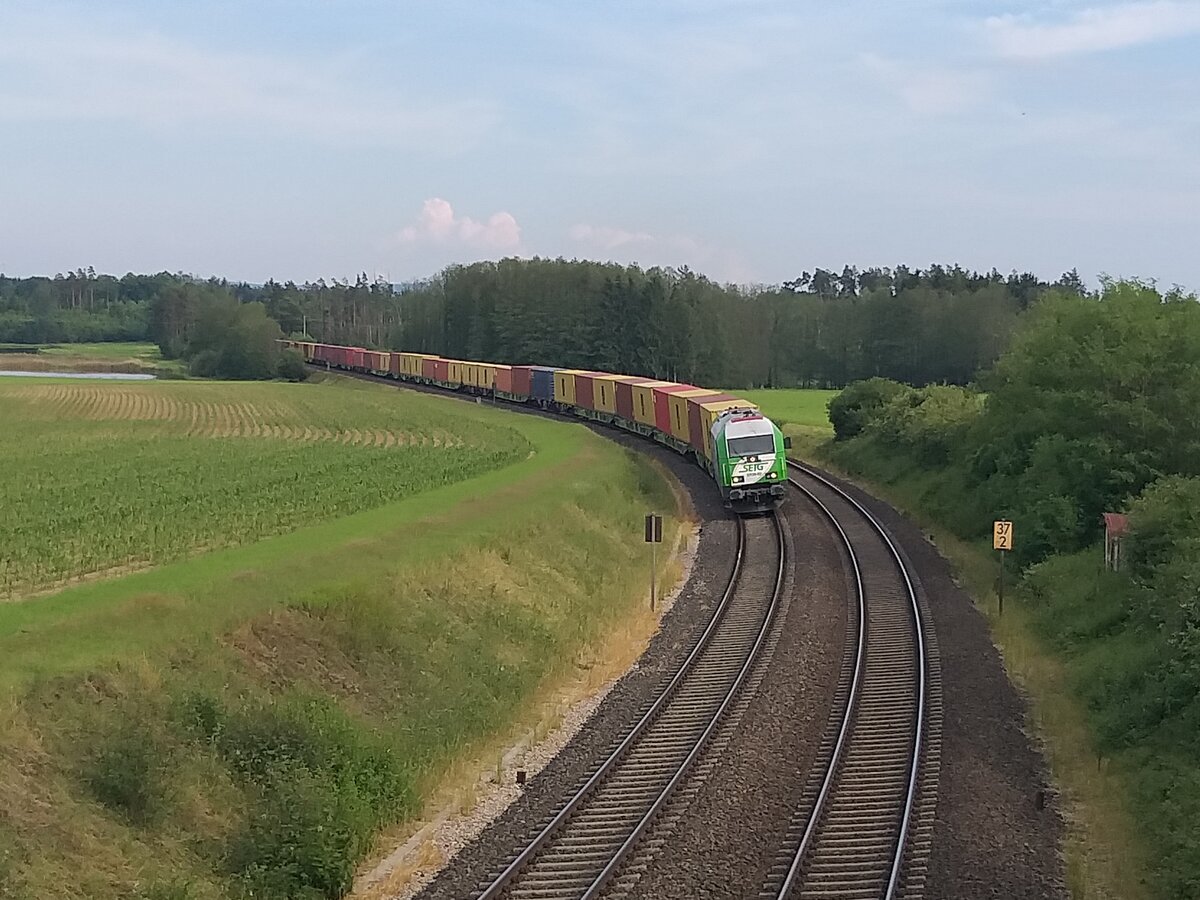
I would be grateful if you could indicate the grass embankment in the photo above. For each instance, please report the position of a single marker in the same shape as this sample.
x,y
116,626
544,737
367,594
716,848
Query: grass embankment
x,y
244,722
1062,644
111,357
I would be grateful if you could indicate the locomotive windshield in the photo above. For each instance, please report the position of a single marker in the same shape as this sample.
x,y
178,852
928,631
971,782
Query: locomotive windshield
x,y
751,445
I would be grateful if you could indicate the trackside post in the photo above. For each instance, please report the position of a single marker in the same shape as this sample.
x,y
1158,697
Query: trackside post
x,y
1002,540
653,538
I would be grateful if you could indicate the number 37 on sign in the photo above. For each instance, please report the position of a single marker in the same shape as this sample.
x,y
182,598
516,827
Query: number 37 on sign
x,y
1002,535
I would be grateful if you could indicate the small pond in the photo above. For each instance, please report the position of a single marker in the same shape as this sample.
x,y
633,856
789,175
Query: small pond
x,y
104,376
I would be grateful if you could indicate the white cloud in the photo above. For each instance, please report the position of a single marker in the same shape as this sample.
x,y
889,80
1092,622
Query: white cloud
x,y
1092,30
927,90
439,223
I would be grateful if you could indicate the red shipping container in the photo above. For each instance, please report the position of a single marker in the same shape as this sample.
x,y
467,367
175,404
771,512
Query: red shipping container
x,y
584,388
662,412
696,435
394,365
441,369
504,379
521,378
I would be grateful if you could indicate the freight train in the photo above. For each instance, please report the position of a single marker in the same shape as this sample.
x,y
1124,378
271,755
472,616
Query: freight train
x,y
728,436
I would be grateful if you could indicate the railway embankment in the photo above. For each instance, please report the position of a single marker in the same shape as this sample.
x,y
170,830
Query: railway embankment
x,y
250,719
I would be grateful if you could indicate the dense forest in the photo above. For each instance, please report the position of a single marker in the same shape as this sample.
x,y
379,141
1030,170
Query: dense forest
x,y
935,325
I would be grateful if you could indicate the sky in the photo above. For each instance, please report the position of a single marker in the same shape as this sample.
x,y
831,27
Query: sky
x,y
747,139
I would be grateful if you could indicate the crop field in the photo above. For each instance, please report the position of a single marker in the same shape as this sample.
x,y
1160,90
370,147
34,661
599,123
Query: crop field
x,y
804,407
102,478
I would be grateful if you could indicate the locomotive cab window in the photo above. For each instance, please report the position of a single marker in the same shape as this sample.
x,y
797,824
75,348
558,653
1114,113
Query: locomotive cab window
x,y
751,445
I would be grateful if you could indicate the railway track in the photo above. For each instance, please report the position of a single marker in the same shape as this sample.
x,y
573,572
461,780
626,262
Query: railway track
x,y
862,825
584,845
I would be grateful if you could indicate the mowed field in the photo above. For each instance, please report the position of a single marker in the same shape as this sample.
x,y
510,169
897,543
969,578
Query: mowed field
x,y
103,477
803,408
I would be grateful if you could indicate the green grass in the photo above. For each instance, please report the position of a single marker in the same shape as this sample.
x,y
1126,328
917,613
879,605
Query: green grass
x,y
102,357
804,408
116,350
132,474
242,723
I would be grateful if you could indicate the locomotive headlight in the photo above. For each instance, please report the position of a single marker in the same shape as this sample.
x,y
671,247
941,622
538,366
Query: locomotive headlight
x,y
772,474
737,479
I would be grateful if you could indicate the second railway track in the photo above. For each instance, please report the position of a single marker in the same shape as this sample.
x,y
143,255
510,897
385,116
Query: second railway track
x,y
861,826
584,845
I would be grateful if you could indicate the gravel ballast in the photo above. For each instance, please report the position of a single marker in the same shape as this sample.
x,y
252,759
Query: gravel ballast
x,y
726,842
990,839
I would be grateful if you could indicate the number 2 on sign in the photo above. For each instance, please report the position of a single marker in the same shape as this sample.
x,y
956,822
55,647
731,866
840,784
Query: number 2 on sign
x,y
1002,535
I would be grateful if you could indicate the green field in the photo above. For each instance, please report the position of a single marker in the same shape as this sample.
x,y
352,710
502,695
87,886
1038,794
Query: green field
x,y
242,722
124,475
110,357
805,409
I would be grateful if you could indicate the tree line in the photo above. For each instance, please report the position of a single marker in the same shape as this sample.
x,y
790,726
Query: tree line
x,y
824,328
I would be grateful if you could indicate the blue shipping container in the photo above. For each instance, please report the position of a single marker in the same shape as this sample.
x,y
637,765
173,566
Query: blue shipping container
x,y
541,383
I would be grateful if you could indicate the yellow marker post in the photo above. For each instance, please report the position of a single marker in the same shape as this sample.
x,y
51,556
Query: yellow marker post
x,y
1002,540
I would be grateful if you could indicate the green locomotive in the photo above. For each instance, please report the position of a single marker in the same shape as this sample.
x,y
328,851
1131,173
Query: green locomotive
x,y
750,465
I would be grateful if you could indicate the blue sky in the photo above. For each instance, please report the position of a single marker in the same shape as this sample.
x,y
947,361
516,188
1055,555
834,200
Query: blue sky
x,y
746,139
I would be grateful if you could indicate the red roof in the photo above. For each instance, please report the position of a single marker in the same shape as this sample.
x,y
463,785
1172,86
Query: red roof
x,y
1116,524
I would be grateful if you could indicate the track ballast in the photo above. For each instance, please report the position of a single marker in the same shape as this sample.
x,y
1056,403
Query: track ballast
x,y
584,845
852,834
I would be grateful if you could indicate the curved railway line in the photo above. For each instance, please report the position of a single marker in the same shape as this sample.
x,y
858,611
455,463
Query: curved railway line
x,y
862,827
583,846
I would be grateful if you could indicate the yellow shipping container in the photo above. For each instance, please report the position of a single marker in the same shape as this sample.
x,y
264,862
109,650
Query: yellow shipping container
x,y
677,403
564,385
413,363
485,376
454,371
643,401
604,391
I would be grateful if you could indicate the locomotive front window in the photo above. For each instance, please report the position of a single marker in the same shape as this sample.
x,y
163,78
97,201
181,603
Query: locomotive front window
x,y
751,445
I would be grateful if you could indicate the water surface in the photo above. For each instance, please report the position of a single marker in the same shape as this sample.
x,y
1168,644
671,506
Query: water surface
x,y
105,376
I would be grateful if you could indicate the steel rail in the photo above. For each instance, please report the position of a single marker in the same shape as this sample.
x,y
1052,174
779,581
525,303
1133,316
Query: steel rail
x,y
623,852
610,767
849,719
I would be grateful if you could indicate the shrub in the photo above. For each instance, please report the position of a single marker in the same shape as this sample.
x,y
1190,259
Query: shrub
x,y
856,407
322,786
291,366
928,422
125,774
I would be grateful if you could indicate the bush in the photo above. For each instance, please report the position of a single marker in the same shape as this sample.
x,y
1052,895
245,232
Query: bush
x,y
125,774
1164,518
322,787
291,366
929,422
856,407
